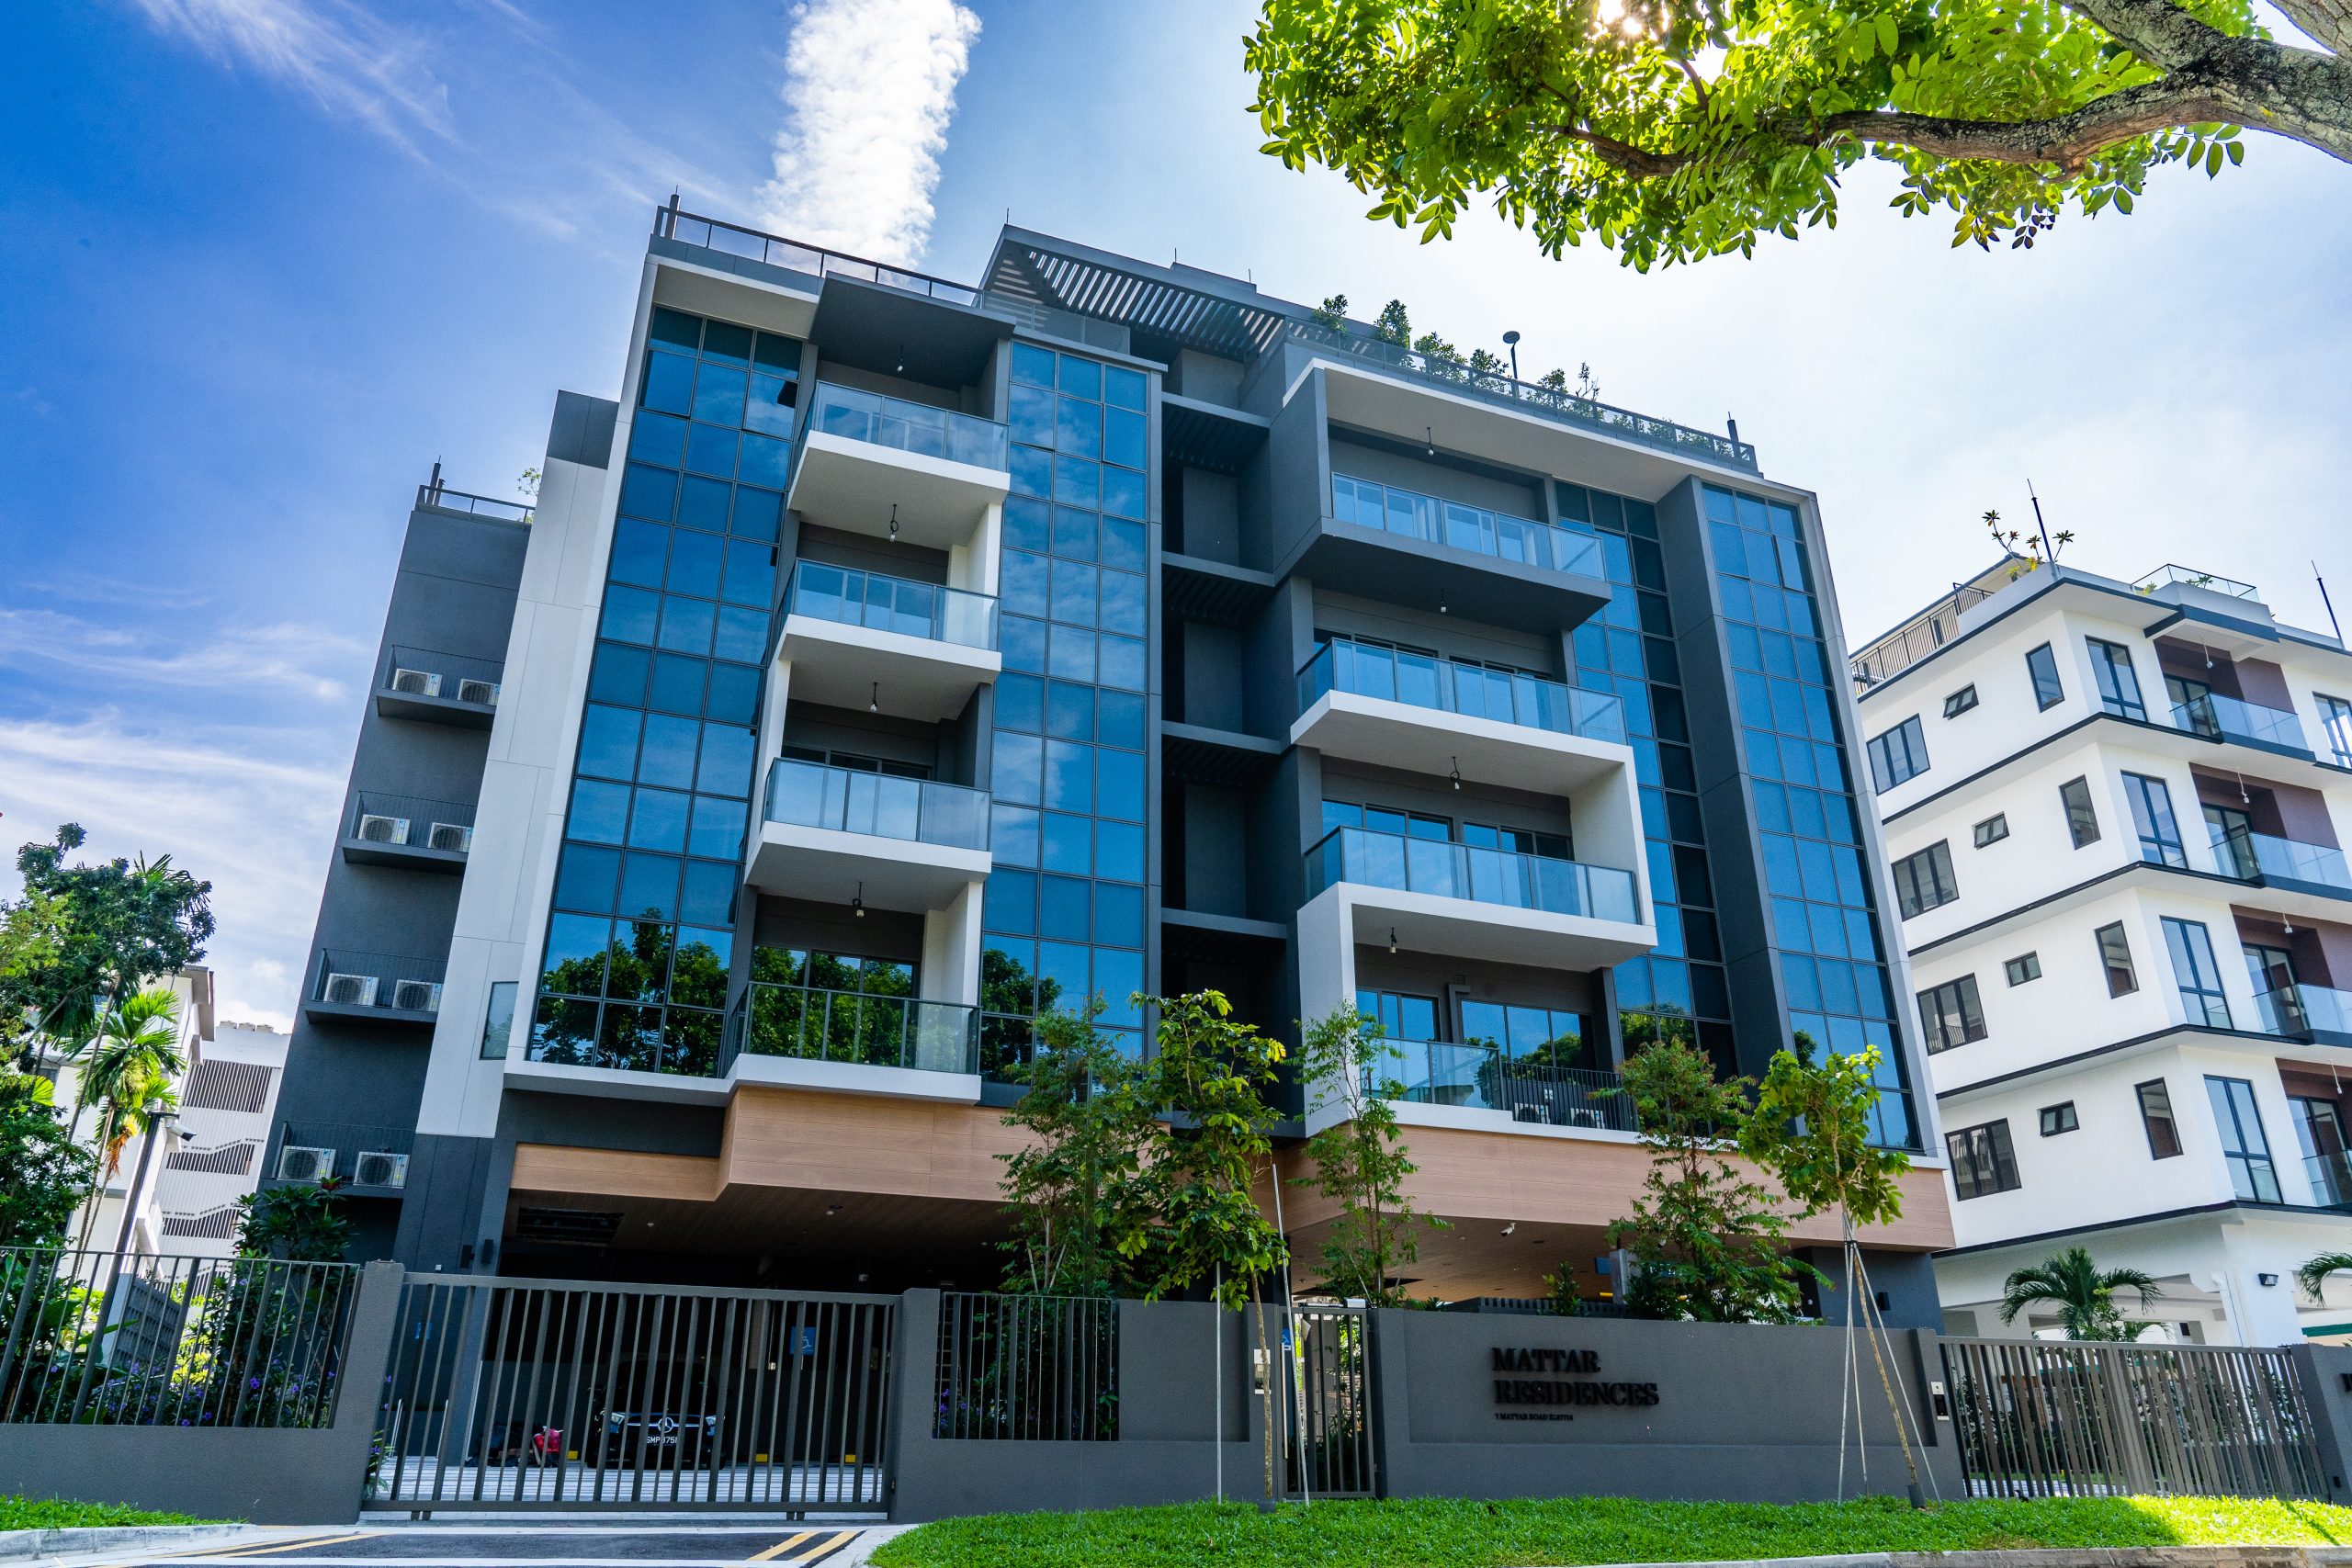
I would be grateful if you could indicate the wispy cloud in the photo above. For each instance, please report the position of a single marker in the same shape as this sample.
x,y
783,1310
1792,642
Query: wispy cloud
x,y
278,658
869,87
349,62
247,810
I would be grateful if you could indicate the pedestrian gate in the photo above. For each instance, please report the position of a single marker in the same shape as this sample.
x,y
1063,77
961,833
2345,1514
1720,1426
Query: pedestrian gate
x,y
2069,1419
520,1394
1330,1414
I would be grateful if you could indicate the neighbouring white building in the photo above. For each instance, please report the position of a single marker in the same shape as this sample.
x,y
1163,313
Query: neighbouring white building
x,y
135,1185
2115,813
227,1106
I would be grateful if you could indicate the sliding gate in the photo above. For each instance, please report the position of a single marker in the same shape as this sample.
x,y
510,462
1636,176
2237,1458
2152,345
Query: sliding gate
x,y
521,1393
2041,1418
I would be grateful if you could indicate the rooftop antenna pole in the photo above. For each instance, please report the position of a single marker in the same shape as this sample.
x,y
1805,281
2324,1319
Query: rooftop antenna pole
x,y
2327,602
2047,553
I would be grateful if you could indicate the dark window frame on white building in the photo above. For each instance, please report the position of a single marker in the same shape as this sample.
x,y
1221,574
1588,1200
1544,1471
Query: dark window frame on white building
x,y
1983,1161
2156,1119
2059,1118
1924,881
2115,957
1993,829
2041,665
2025,967
1960,702
1952,1014
1898,754
2081,812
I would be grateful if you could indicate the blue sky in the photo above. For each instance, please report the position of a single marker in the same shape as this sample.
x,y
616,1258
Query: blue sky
x,y
268,259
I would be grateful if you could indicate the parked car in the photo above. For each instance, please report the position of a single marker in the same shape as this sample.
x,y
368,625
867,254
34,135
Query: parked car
x,y
654,1440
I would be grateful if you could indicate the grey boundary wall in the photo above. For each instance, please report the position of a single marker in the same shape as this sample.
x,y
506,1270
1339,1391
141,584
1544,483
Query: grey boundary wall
x,y
1742,1413
263,1476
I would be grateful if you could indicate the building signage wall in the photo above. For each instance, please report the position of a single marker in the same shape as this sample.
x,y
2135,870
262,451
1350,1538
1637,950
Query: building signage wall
x,y
1545,1383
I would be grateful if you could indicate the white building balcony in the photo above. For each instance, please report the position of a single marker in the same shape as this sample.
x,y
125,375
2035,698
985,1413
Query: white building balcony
x,y
871,463
1432,716
838,836
849,635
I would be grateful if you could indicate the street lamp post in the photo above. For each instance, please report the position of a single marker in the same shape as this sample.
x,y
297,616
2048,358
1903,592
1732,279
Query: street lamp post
x,y
1513,339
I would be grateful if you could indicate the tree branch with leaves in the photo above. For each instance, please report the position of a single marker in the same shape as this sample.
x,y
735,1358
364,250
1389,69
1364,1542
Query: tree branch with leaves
x,y
1360,1162
1669,132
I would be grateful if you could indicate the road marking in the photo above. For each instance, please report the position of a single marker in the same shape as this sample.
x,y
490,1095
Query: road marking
x,y
841,1538
780,1548
296,1545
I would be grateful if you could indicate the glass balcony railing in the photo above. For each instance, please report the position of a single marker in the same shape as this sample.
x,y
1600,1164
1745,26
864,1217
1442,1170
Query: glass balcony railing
x,y
923,811
813,1025
2330,1178
1463,871
2302,1012
908,427
2267,858
2172,572
2218,717
1480,1077
1465,527
1427,681
882,604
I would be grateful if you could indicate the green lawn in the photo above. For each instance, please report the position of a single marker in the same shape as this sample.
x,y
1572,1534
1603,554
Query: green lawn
x,y
51,1514
1559,1532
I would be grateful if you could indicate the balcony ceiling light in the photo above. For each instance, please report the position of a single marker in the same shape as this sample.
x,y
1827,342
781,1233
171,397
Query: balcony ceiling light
x,y
894,522
1392,939
1456,773
1428,443
874,704
857,902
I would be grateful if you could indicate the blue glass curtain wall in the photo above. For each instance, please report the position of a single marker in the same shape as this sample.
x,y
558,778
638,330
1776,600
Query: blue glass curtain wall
x,y
1064,913
640,935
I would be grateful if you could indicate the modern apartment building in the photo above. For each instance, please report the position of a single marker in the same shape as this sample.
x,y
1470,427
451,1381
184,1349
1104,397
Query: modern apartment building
x,y
893,659
2117,812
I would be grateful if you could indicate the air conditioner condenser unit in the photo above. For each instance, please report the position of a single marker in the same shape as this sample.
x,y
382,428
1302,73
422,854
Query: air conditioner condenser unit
x,y
303,1163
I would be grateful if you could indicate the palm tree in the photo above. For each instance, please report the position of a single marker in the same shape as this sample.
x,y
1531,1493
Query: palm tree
x,y
2082,1290
2313,1274
131,1059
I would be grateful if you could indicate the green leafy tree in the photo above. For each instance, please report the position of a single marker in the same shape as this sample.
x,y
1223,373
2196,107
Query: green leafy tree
x,y
1669,132
1394,324
1359,1160
44,1174
295,1222
85,937
1705,1237
2083,1292
1332,314
1071,1193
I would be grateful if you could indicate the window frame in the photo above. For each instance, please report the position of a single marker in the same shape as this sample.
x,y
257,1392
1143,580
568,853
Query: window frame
x,y
2336,723
1998,1151
2235,1111
2156,1110
1911,737
1956,1001
2146,793
2057,1121
2197,975
2086,816
1961,701
2108,660
2016,971
2049,692
1938,859
1998,822
2111,964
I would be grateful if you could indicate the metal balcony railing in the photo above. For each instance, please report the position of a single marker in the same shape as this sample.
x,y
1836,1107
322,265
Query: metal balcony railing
x,y
814,795
385,981
1930,629
410,821
906,426
1426,681
1481,1076
1461,871
811,1024
732,239
2219,718
1530,397
2189,576
440,498
891,604
429,672
2267,858
1369,504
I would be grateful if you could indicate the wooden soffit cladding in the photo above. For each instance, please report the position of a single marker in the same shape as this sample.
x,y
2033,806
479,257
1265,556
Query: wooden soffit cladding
x,y
857,1143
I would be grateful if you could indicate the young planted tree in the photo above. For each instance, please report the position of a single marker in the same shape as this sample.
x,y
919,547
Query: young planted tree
x,y
1359,1160
1669,132
2084,1294
1208,1075
1811,1128
1071,1194
1705,1237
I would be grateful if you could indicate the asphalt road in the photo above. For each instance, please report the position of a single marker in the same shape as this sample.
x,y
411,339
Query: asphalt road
x,y
554,1545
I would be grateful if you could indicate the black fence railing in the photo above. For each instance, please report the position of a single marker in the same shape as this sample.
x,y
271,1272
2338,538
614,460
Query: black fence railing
x,y
1036,1369
95,1339
774,250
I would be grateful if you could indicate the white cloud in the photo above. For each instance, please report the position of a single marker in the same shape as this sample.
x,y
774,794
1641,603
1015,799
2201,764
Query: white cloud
x,y
245,659
350,62
252,812
869,88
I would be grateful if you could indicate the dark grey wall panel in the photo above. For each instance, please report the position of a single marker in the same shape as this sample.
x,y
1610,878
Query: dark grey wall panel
x,y
582,429
1217,850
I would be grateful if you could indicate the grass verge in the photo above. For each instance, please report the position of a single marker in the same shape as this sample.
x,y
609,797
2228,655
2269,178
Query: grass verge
x,y
1561,1532
56,1514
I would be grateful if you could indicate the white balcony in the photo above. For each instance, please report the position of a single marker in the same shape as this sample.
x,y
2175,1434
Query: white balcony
x,y
837,836
865,460
849,637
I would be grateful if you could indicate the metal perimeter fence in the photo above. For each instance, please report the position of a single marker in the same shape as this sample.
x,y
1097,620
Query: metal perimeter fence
x,y
2050,1419
1031,1367
101,1338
